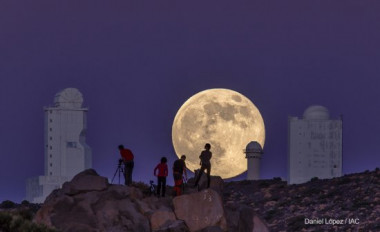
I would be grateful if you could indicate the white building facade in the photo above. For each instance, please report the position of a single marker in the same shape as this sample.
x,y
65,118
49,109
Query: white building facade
x,y
66,151
315,146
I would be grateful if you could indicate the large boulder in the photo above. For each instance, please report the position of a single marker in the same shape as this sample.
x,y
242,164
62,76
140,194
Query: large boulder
x,y
161,215
149,205
85,181
93,207
201,210
161,219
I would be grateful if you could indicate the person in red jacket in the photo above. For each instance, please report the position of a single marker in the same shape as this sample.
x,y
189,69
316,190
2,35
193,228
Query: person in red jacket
x,y
127,157
162,169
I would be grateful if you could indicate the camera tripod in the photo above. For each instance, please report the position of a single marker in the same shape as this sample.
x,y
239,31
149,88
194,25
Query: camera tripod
x,y
152,189
118,171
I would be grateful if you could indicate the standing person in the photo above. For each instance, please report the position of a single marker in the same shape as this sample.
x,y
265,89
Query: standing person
x,y
161,176
179,170
128,158
205,164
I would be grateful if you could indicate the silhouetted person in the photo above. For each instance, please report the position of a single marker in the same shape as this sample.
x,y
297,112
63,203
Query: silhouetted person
x,y
161,176
128,158
179,170
205,164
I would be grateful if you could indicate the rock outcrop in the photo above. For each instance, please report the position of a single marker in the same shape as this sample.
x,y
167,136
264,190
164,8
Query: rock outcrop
x,y
85,181
201,210
95,206
161,219
90,203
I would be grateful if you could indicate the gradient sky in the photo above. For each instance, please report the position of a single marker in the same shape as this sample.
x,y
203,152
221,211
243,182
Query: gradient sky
x,y
137,62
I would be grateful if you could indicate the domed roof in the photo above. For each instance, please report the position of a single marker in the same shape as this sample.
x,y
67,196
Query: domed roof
x,y
254,146
68,98
316,112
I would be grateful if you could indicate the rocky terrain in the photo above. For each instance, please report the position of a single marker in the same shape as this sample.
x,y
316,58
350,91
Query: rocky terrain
x,y
90,203
286,207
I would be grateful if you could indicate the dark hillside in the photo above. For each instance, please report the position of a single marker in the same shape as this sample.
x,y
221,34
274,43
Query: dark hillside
x,y
353,198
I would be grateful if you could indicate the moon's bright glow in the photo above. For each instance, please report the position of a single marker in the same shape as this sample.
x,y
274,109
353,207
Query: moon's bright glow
x,y
224,118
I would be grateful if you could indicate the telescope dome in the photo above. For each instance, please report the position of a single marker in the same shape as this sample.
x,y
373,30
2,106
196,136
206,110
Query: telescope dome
x,y
254,147
68,98
316,112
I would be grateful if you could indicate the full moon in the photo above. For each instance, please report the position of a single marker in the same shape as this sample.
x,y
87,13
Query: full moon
x,y
224,118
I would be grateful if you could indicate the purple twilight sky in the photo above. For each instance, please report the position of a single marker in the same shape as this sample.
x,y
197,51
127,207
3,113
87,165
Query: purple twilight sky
x,y
137,62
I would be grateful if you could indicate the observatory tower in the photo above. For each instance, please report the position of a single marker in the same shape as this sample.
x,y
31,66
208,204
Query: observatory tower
x,y
315,146
66,151
253,153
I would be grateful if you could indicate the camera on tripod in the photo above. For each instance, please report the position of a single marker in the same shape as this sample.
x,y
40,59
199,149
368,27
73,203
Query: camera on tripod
x,y
119,170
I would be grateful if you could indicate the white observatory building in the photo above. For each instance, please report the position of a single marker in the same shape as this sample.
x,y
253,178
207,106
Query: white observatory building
x,y
66,151
253,154
315,146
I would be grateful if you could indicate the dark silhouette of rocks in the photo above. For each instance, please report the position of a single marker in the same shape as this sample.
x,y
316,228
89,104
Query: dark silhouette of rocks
x,y
95,206
90,203
201,210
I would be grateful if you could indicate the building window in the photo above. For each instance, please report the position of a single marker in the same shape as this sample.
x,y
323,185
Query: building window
x,y
50,129
51,148
51,165
51,111
51,120
51,173
51,138
51,156
71,144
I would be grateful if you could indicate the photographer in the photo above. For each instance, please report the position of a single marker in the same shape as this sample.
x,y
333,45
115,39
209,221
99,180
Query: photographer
x,y
127,158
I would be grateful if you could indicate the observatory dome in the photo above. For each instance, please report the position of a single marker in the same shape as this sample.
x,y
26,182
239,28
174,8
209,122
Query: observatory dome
x,y
254,147
316,112
68,98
